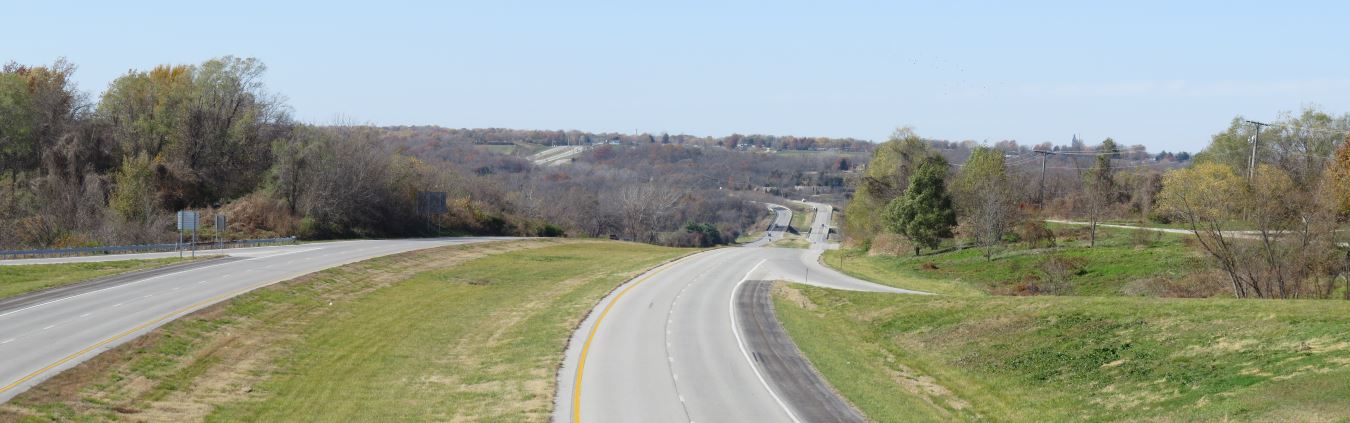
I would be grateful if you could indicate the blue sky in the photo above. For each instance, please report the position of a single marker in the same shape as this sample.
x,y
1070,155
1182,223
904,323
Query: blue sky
x,y
1163,74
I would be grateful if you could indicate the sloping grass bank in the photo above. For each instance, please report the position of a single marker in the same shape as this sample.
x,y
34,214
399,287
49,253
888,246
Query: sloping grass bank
x,y
1124,262
924,358
18,280
465,333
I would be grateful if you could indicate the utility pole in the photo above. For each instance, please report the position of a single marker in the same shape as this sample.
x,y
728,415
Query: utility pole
x,y
1251,166
1040,196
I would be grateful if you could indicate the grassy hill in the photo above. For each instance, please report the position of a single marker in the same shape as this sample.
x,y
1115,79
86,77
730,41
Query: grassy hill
x,y
1124,262
1048,358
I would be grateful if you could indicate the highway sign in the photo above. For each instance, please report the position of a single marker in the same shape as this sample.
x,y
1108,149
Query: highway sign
x,y
187,220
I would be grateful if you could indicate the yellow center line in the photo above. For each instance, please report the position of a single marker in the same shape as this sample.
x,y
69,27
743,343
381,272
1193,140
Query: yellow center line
x,y
586,347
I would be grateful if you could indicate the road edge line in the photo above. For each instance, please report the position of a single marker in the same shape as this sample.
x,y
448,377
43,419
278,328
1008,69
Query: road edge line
x,y
731,311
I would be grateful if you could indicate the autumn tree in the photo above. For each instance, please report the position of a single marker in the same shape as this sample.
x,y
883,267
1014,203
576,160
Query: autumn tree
x,y
924,214
213,125
1289,253
985,198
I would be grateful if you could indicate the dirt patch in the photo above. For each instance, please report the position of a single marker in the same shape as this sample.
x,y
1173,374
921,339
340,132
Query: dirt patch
x,y
235,353
794,295
925,387
1220,346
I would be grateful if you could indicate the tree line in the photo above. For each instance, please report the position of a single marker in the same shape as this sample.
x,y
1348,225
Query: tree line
x,y
1266,205
81,170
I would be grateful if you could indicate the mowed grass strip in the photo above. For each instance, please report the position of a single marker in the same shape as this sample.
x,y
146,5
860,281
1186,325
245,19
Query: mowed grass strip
x,y
925,358
22,279
477,342
1122,261
468,333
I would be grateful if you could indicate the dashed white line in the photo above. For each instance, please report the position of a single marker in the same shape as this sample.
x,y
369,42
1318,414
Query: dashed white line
x,y
84,315
49,327
7,341
117,305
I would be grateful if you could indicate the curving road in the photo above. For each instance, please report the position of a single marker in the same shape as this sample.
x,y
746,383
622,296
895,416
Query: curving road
x,y
43,337
667,347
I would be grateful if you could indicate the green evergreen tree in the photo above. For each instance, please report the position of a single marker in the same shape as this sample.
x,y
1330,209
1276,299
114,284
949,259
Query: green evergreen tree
x,y
924,214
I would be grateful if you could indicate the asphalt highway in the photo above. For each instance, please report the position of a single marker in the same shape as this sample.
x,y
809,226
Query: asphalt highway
x,y
39,339
668,347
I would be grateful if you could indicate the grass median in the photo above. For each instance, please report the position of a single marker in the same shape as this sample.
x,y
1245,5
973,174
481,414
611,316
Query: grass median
x,y
949,358
22,279
465,333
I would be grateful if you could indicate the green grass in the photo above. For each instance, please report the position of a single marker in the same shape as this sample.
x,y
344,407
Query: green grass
x,y
790,241
460,333
17,280
477,341
1107,269
893,271
945,358
802,216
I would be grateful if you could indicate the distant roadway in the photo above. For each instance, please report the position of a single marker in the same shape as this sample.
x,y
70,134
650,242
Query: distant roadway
x,y
668,347
49,332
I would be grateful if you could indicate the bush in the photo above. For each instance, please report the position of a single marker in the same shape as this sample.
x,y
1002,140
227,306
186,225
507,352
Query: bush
x,y
550,230
1036,234
308,229
1057,272
1194,285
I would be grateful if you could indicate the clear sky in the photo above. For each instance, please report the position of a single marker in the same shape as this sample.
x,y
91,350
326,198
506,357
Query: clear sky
x,y
1163,74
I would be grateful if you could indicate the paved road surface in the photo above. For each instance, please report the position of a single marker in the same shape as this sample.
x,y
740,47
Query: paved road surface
x,y
42,339
777,229
557,155
669,349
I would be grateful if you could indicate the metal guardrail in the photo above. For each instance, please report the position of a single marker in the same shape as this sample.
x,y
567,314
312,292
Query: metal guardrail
x,y
60,252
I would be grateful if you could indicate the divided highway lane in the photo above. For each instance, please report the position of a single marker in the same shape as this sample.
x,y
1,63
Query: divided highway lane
x,y
40,340
667,346
782,218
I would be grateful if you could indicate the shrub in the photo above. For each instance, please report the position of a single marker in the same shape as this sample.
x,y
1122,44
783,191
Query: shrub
x,y
1036,234
1056,273
550,230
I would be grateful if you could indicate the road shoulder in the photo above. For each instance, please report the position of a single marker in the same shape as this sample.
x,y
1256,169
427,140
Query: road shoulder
x,y
782,364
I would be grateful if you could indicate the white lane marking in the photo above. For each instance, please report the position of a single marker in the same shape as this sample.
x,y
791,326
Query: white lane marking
x,y
731,310
116,286
7,341
147,295
177,288
117,305
84,315
49,327
201,282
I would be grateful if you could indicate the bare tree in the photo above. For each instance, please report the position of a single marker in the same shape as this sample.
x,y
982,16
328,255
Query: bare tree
x,y
642,206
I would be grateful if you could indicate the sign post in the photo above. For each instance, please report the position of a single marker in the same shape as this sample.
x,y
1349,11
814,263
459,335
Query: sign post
x,y
187,220
220,231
